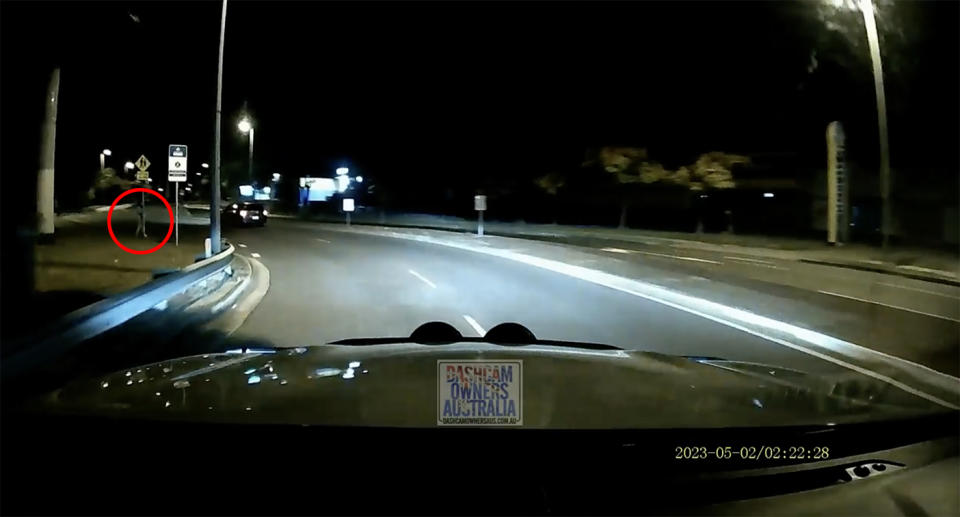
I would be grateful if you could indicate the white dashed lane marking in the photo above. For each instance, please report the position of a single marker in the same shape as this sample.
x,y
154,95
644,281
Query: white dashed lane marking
x,y
948,318
422,278
476,326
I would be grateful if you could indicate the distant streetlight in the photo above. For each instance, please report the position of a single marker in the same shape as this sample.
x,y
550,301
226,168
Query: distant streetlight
x,y
768,194
246,127
276,176
205,165
359,179
103,154
128,166
342,171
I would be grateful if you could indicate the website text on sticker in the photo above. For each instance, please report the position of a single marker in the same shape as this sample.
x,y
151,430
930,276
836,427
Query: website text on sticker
x,y
479,392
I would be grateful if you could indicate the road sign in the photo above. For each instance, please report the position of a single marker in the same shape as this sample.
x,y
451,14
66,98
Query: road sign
x,y
177,163
347,205
142,163
143,175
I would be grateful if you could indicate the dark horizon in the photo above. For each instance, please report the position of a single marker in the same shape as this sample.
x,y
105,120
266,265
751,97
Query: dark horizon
x,y
459,94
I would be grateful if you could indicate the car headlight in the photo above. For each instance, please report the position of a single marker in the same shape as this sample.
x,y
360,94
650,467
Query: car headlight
x,y
265,212
243,213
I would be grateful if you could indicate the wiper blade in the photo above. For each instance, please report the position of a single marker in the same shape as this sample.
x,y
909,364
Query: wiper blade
x,y
504,334
543,342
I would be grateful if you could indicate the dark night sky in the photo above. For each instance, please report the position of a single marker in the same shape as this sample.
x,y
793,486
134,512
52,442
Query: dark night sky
x,y
463,92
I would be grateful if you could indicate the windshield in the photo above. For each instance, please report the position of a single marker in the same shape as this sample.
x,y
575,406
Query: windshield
x,y
747,210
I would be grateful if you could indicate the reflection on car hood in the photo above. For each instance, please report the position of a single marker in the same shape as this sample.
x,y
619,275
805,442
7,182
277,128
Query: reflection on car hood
x,y
396,385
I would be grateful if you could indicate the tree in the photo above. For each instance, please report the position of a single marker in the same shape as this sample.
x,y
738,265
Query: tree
x,y
551,184
712,170
630,165
108,183
623,164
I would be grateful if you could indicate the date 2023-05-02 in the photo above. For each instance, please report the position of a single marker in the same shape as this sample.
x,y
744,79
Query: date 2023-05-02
x,y
752,452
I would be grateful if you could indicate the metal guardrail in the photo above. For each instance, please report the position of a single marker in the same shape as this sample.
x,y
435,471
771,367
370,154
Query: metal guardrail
x,y
95,319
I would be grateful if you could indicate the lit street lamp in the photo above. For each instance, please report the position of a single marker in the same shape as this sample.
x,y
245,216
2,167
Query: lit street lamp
x,y
246,127
128,166
205,165
103,155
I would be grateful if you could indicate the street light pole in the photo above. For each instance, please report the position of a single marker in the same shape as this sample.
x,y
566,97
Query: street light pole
x,y
250,158
869,20
215,180
246,127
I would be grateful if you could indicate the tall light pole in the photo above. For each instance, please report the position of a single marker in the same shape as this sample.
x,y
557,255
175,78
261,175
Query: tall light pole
x,y
215,180
870,22
873,42
246,127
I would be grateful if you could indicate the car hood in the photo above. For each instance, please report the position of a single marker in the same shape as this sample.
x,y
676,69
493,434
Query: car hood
x,y
396,385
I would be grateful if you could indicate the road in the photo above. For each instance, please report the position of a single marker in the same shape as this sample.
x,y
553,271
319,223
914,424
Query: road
x,y
327,285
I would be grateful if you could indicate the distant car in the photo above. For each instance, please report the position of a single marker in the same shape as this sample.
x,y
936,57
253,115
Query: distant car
x,y
245,214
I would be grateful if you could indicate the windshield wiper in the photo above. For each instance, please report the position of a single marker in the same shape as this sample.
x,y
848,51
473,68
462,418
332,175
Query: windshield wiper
x,y
504,334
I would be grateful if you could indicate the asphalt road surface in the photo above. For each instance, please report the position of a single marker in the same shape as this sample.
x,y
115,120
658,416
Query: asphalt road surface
x,y
327,285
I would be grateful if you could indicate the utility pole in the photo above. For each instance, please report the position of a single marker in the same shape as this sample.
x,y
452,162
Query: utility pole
x,y
869,20
45,175
215,181
250,159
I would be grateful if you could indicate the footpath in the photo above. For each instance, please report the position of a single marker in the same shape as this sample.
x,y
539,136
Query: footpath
x,y
83,265
922,264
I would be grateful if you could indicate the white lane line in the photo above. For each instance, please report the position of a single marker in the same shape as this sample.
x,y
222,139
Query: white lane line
x,y
750,260
768,266
325,241
890,306
476,326
242,245
421,277
678,257
927,270
255,255
945,295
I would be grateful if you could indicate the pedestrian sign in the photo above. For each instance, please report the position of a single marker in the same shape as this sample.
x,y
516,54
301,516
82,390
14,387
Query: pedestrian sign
x,y
142,163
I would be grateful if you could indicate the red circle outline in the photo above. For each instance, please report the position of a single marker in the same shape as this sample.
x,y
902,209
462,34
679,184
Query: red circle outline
x,y
110,217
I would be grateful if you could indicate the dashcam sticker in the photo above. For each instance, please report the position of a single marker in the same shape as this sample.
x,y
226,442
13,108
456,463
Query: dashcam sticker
x,y
479,392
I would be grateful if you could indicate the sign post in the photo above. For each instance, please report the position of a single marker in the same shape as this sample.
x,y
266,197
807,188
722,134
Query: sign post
x,y
177,172
347,208
144,177
837,186
480,205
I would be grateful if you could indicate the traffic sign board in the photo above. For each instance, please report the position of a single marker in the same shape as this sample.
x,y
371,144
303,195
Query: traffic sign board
x,y
142,175
142,163
177,159
177,176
